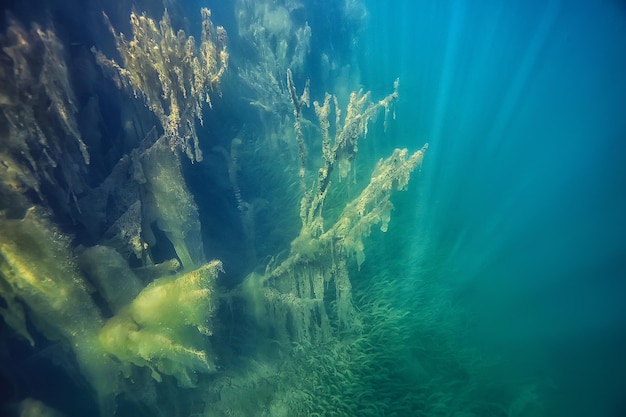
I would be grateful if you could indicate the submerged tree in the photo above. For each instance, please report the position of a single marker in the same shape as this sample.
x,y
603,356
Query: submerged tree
x,y
292,296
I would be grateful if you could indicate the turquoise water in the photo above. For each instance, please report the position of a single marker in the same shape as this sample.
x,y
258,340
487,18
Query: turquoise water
x,y
499,288
521,196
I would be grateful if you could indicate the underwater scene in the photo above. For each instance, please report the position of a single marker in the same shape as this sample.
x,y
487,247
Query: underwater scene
x,y
284,208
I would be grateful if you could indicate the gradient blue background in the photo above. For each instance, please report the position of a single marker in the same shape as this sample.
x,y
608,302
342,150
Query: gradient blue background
x,y
521,208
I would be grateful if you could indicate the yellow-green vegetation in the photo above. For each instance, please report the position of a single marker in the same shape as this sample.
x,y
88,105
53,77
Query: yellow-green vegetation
x,y
168,202
40,144
172,75
111,276
37,269
295,290
52,288
166,327
279,42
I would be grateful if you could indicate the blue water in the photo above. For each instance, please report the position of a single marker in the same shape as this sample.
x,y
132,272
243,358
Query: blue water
x,y
522,196
505,259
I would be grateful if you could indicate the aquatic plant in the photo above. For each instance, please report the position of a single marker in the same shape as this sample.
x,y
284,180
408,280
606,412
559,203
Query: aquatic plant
x,y
165,327
38,269
169,203
171,74
41,144
277,42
